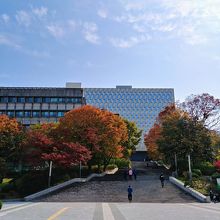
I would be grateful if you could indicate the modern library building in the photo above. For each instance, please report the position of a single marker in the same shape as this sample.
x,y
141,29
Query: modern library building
x,y
30,105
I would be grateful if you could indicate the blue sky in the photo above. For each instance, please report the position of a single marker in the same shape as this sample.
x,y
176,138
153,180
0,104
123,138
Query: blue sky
x,y
103,43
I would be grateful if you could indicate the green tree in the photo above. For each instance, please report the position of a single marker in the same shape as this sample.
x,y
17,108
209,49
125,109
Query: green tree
x,y
134,137
180,134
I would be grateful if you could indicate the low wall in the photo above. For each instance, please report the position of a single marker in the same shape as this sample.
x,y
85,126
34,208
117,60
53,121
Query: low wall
x,y
199,196
65,184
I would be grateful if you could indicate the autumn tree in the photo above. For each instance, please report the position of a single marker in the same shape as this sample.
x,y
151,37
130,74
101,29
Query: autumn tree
x,y
11,139
150,140
153,135
41,148
100,131
177,133
181,136
134,137
203,108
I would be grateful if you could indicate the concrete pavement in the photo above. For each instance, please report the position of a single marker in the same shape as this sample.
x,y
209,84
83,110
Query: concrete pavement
x,y
113,211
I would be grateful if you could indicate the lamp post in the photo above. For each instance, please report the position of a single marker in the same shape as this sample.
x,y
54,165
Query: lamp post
x,y
80,169
176,172
50,172
190,170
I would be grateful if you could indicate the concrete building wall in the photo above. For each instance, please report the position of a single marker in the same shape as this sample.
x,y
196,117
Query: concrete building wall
x,y
32,105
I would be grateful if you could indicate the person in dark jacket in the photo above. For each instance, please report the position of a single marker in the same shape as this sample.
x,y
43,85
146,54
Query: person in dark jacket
x,y
135,174
130,190
211,195
162,178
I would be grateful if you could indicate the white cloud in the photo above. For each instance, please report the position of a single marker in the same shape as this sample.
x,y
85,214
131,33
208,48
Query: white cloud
x,y
7,41
139,28
40,12
164,28
72,24
102,13
191,36
90,32
5,18
130,42
56,30
135,6
181,8
23,18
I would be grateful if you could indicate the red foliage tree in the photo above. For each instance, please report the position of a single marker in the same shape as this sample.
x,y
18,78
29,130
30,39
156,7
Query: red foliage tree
x,y
41,148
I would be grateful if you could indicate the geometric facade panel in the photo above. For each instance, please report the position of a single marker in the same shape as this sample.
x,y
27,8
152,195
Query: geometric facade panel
x,y
141,105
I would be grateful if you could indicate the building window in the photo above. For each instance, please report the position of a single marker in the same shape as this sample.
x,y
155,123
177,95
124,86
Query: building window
x,y
29,99
61,100
60,114
21,99
35,114
11,99
19,114
27,114
54,99
46,99
3,99
53,114
11,114
45,114
74,100
2,112
37,99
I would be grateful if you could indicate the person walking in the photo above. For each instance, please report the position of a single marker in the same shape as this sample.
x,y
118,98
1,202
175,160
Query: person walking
x,y
130,173
211,195
135,174
130,191
162,178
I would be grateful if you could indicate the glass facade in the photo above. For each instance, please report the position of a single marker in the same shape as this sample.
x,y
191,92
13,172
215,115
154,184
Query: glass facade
x,y
10,99
139,105
32,105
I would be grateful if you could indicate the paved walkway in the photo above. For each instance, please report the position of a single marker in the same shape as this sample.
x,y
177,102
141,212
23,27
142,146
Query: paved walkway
x,y
113,188
113,211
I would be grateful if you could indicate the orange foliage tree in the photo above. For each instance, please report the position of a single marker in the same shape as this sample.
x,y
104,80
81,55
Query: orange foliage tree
x,y
150,140
11,139
100,131
154,134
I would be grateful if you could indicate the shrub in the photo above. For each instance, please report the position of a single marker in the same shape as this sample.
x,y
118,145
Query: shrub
x,y
31,183
206,168
8,187
195,175
120,162
111,167
0,204
215,175
197,171
201,185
